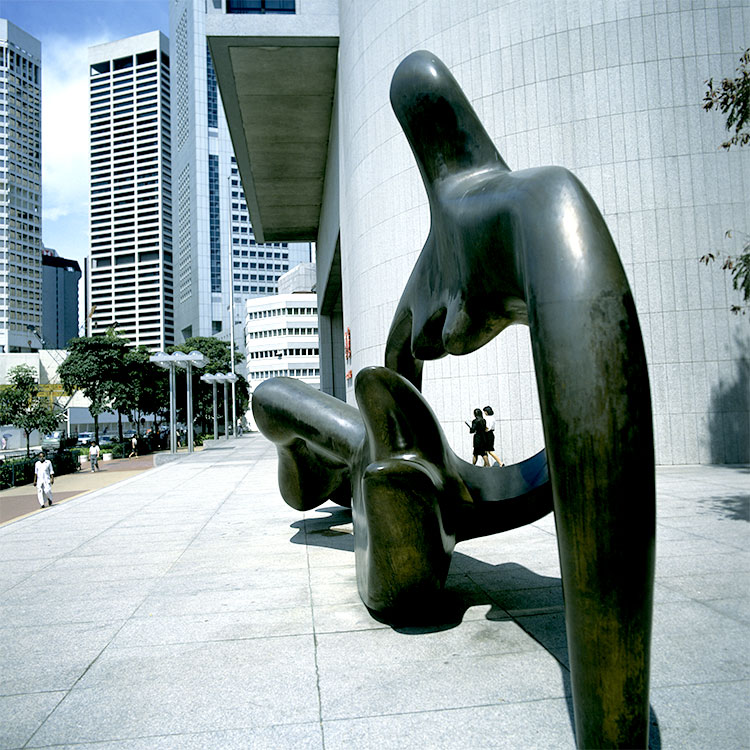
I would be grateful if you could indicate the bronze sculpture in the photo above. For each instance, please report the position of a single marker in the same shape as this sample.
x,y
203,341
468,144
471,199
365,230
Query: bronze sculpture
x,y
504,247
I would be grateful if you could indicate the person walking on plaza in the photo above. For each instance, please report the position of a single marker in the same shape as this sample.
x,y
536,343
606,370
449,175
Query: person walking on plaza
x,y
489,418
94,456
479,427
44,478
134,447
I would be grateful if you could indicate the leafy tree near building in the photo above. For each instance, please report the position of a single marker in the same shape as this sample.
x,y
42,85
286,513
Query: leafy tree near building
x,y
95,366
731,97
144,388
23,407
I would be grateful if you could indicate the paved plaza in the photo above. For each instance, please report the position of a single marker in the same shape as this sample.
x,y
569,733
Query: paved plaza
x,y
188,607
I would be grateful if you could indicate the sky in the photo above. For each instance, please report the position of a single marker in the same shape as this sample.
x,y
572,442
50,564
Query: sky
x,y
66,29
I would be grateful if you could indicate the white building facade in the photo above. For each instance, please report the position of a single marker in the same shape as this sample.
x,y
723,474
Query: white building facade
x,y
20,189
131,277
611,91
211,214
281,338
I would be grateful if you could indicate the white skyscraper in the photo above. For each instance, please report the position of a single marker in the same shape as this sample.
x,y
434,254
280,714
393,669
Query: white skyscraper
x,y
131,277
20,189
210,211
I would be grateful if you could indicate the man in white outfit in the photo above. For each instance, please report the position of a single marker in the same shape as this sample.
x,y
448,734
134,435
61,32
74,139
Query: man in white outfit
x,y
44,478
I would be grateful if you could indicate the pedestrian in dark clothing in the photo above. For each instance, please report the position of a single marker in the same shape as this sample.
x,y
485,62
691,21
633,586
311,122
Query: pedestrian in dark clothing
x,y
479,428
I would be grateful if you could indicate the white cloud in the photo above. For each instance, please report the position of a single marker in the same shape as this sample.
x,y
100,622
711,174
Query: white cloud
x,y
65,138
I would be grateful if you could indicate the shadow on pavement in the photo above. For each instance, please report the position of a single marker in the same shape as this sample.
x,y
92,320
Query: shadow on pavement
x,y
513,593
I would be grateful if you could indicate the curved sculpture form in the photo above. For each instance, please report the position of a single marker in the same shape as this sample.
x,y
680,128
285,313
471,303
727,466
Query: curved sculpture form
x,y
412,498
504,247
531,247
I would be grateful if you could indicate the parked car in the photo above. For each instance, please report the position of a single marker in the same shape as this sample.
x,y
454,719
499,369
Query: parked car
x,y
53,440
84,438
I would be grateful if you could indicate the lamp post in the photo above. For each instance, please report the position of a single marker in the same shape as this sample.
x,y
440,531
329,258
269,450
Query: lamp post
x,y
227,378
209,378
165,360
186,362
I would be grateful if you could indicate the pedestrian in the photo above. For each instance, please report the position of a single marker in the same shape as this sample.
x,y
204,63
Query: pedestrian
x,y
5,443
239,427
479,427
94,456
134,447
489,418
44,478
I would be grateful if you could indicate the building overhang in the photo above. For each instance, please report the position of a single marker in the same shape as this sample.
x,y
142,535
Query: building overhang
x,y
277,93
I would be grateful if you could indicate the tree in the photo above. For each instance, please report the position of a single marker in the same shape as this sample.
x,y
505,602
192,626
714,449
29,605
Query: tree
x,y
145,388
94,366
732,98
23,407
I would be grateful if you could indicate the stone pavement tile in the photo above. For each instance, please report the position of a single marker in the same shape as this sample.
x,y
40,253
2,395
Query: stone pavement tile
x,y
693,618
549,630
188,688
707,586
736,562
91,570
81,605
731,534
697,717
21,715
452,681
685,660
156,630
343,617
735,609
177,583
41,657
535,725
238,599
298,736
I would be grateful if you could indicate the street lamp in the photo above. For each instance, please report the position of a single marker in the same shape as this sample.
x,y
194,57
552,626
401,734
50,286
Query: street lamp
x,y
209,378
226,378
186,362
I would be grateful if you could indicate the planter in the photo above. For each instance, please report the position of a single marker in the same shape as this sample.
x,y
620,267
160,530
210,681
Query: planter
x,y
83,460
106,456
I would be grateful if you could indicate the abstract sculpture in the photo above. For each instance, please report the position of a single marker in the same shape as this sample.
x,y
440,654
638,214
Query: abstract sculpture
x,y
504,247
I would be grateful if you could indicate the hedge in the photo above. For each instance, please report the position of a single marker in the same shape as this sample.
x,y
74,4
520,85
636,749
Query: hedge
x,y
18,471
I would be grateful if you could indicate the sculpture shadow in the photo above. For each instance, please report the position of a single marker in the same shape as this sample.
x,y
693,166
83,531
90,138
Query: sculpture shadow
x,y
511,591
728,428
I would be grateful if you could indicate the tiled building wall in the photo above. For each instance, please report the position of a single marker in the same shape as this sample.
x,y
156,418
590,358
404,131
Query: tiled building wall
x,y
613,92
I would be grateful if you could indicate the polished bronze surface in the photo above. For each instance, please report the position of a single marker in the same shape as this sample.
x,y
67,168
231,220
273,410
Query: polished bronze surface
x,y
504,247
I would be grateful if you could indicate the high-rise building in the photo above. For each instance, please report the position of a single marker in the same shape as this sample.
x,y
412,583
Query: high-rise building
x,y
130,276
211,214
60,278
20,187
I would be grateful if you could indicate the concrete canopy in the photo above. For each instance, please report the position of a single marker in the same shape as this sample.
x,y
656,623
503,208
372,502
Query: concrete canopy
x,y
278,98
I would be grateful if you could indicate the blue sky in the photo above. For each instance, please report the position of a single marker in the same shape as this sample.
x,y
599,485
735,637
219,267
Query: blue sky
x,y
66,28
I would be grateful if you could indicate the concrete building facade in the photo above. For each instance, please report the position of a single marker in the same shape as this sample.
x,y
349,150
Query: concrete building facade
x,y
20,187
281,338
611,91
131,277
60,277
212,222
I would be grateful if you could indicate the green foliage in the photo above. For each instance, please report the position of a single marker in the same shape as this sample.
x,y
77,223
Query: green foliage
x,y
20,471
23,407
732,98
95,366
